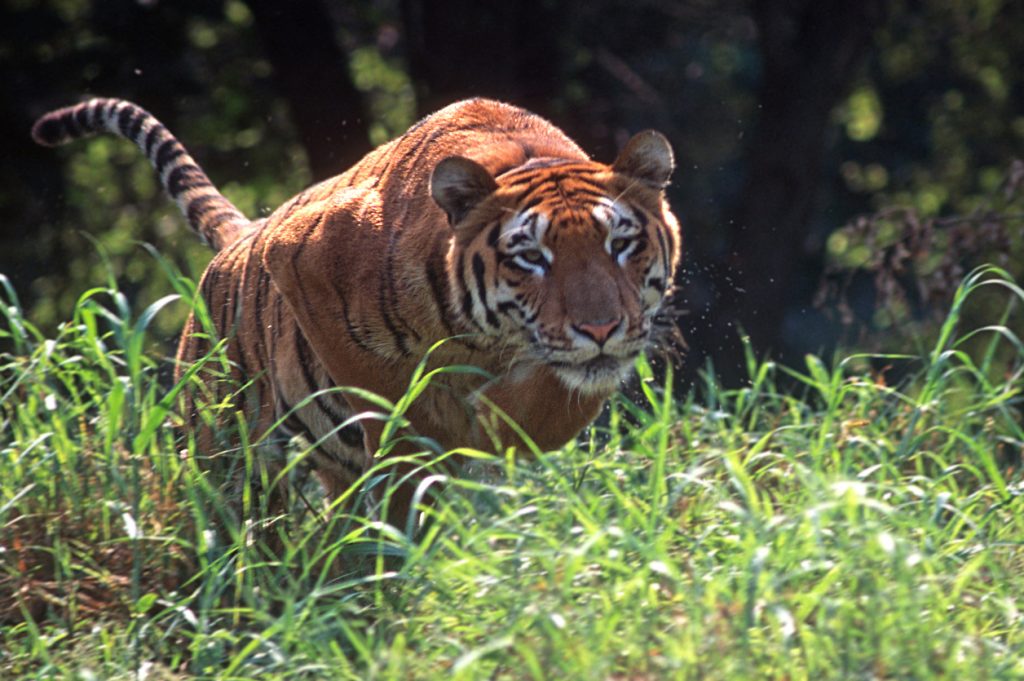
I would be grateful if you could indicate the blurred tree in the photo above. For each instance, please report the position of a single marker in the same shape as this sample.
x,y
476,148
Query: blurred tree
x,y
324,103
29,181
788,117
933,137
506,50
810,51
197,66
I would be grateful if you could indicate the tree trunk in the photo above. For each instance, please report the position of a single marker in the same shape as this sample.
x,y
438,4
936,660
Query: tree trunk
x,y
312,72
505,50
811,51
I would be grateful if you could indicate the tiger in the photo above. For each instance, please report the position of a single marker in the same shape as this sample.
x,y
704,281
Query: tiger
x,y
482,237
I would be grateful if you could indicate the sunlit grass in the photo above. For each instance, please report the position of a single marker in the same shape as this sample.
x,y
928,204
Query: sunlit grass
x,y
846,529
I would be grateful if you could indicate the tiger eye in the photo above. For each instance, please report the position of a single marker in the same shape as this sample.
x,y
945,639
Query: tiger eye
x,y
533,256
619,244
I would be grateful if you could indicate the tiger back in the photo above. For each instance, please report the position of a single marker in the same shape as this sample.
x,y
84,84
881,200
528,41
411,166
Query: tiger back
x,y
484,225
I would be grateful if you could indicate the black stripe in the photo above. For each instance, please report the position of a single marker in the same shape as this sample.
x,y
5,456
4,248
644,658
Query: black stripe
x,y
665,255
200,206
541,189
279,318
213,220
251,367
536,165
261,286
124,118
136,127
588,183
294,205
217,311
437,278
550,184
510,262
292,424
392,291
307,364
413,153
552,189
380,171
351,328
94,110
357,336
297,257
504,168
355,333
351,434
481,287
83,118
185,177
467,297
102,110
151,137
382,300
524,304
336,418
354,469
536,199
166,153
508,306
296,426
387,298
410,156
492,236
589,192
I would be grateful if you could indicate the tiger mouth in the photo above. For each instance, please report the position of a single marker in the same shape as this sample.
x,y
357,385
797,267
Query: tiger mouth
x,y
597,363
601,372
604,363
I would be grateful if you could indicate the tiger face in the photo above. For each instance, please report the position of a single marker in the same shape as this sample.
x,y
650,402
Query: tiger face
x,y
565,262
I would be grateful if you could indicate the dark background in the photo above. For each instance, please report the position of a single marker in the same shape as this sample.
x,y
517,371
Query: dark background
x,y
789,118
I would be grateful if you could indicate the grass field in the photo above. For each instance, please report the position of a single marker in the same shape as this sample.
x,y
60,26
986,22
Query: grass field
x,y
847,529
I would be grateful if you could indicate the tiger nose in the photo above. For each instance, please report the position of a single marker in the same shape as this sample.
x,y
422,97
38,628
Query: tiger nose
x,y
598,331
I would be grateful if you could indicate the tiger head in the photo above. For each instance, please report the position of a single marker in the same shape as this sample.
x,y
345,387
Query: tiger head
x,y
566,261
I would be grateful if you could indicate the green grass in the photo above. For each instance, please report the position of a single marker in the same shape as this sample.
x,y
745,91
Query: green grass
x,y
845,529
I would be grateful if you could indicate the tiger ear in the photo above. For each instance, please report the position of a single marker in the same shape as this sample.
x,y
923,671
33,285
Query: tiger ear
x,y
458,184
647,157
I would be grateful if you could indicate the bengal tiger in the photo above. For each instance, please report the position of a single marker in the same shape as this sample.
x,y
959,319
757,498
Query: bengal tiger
x,y
483,224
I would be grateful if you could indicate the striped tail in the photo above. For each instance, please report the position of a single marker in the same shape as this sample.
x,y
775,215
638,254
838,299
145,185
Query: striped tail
x,y
211,215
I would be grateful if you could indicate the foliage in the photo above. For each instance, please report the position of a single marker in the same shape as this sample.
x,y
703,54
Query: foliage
x,y
197,66
856,530
929,169
915,263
